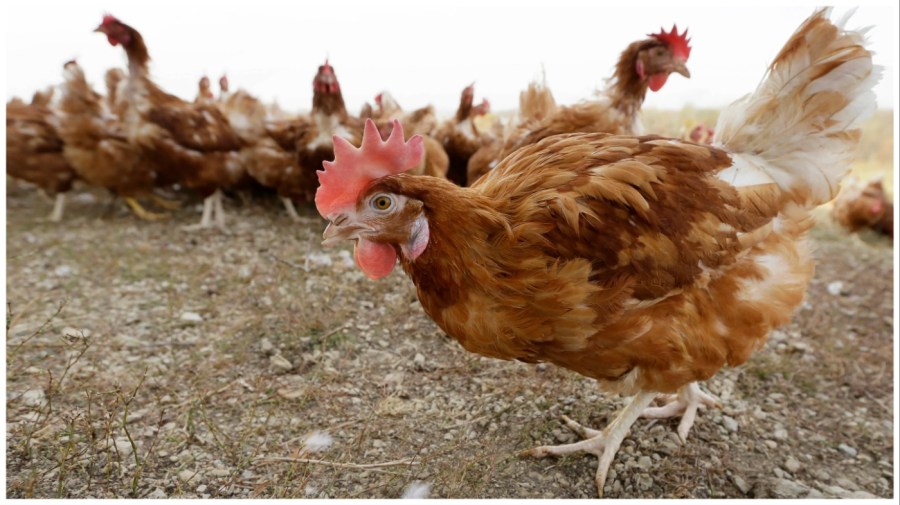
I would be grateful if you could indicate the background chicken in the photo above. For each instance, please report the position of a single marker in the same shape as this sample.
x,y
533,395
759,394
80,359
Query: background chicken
x,y
34,149
204,93
645,64
97,148
536,103
461,138
645,263
858,207
193,141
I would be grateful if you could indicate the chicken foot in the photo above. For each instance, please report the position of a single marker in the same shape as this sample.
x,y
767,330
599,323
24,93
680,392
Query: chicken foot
x,y
602,443
141,212
685,403
206,219
59,205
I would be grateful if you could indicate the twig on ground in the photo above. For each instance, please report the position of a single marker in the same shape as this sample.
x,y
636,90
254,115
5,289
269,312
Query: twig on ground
x,y
270,460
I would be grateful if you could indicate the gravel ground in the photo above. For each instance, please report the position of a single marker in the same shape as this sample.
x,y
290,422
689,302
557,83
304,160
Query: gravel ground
x,y
147,361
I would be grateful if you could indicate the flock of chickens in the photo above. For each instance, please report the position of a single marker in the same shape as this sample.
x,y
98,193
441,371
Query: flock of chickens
x,y
138,137
567,236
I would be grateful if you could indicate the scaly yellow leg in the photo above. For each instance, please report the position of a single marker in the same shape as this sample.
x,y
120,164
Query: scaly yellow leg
x,y
143,213
166,204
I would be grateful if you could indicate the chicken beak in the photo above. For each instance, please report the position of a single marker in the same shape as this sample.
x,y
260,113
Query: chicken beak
x,y
335,234
681,68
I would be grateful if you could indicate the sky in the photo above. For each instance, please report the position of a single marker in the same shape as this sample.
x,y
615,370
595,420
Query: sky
x,y
422,52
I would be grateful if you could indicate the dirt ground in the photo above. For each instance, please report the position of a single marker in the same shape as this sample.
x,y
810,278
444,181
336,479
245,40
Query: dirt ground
x,y
144,360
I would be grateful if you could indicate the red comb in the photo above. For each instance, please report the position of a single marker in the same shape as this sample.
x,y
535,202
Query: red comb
x,y
677,42
353,169
109,19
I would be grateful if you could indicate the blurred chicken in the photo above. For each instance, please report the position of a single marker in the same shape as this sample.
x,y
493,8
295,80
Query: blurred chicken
x,y
701,134
535,104
204,94
284,154
193,141
858,207
114,78
34,149
461,137
643,262
97,148
643,65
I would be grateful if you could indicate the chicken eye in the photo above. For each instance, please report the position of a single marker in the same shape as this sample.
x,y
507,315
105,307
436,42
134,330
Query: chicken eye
x,y
382,202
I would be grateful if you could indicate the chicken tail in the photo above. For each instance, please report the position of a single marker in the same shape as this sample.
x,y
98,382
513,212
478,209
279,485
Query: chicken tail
x,y
801,127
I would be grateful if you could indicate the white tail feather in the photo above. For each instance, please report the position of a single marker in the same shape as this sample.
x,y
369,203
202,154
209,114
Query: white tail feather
x,y
800,128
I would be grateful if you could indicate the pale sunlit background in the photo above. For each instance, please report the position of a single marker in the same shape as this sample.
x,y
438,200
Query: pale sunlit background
x,y
422,52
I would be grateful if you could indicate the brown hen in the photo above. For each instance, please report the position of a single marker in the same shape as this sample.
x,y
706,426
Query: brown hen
x,y
643,262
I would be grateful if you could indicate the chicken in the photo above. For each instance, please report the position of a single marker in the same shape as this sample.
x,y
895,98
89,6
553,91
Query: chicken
x,y
34,149
328,118
97,148
858,207
643,262
460,136
645,64
268,162
114,78
204,94
422,122
223,88
701,134
192,141
535,104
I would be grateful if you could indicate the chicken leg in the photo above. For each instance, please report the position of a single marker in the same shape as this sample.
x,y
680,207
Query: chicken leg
x,y
291,210
166,204
206,219
685,403
59,205
219,210
602,443
141,212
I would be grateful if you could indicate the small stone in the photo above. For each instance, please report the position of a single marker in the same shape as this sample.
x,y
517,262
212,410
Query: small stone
x,y
644,482
780,434
265,346
157,494
123,447
730,424
792,465
846,449
280,362
740,483
63,270
34,398
815,493
186,475
644,462
862,495
771,444
789,489
835,288
201,488
779,472
419,361
191,317
219,472
847,483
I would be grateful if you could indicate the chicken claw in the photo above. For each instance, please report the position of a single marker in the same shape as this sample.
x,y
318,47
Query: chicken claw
x,y
685,403
602,443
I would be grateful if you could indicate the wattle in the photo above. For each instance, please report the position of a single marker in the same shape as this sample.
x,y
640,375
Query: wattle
x,y
376,260
656,81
